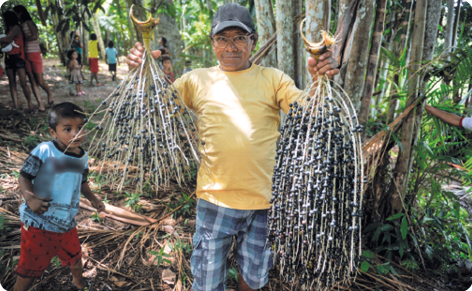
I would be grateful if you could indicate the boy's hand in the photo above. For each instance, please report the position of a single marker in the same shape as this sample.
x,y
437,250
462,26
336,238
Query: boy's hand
x,y
38,205
134,58
99,205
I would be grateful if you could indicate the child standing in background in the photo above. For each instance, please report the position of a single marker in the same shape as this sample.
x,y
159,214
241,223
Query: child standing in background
x,y
75,73
167,69
93,58
111,59
77,45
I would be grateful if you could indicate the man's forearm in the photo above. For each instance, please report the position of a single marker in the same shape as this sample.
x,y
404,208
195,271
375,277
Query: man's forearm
x,y
447,117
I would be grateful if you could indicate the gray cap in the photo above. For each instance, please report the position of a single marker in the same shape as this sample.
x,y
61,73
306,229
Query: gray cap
x,y
232,15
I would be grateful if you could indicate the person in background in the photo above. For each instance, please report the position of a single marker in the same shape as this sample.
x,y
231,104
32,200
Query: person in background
x,y
111,59
187,66
93,59
77,45
163,45
34,61
167,69
75,72
15,60
449,118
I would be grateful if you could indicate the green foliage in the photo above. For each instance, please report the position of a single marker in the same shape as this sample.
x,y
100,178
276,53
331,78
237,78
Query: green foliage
x,y
132,201
233,274
32,141
160,257
3,228
96,217
187,204
180,246
56,262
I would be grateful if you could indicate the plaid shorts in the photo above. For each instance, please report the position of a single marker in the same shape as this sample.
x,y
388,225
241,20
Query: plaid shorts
x,y
216,227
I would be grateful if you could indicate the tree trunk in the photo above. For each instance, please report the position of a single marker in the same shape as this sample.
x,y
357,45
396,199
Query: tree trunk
x,y
96,28
120,12
456,22
135,34
169,29
59,39
373,61
85,49
448,42
457,97
404,30
358,57
408,136
285,37
406,25
342,7
130,24
315,22
265,29
298,47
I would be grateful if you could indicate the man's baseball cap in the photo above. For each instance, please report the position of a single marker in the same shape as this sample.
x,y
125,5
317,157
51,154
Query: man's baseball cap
x,y
230,15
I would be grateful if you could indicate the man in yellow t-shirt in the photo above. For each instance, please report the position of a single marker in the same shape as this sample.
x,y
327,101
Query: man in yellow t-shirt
x,y
93,59
238,105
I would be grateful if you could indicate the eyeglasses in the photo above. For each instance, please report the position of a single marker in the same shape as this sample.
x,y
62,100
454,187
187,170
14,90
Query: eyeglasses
x,y
239,41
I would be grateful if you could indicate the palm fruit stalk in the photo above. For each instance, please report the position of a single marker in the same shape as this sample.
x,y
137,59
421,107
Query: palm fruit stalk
x,y
315,220
147,135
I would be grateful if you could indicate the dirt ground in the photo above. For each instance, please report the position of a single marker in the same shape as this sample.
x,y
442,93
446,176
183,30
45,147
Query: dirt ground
x,y
116,255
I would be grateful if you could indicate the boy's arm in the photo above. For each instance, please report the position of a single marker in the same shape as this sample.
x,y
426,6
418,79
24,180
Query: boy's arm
x,y
99,205
38,205
447,117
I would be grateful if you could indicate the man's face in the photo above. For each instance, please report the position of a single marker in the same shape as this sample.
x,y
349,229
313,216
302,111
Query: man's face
x,y
231,57
67,130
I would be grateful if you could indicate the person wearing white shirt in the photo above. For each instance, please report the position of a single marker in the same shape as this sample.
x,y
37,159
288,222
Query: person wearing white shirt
x,y
452,119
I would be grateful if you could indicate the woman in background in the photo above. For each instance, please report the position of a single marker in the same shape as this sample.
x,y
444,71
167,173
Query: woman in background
x,y
15,60
34,61
163,45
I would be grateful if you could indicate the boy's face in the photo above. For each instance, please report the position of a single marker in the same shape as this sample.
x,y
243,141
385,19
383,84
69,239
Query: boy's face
x,y
67,130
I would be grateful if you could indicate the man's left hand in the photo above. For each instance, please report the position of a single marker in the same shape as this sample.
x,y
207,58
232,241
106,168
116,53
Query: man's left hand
x,y
99,205
325,65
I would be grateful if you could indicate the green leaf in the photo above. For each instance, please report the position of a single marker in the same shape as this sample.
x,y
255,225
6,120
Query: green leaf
x,y
365,266
404,228
400,145
368,254
395,216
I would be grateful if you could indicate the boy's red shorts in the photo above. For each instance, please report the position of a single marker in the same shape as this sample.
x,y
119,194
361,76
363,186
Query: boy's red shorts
x,y
93,65
39,246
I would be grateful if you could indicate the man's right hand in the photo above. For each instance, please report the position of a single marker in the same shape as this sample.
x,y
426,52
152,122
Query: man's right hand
x,y
134,58
38,205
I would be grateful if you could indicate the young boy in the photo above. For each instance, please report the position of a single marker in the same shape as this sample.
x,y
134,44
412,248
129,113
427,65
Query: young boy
x,y
93,59
51,180
167,69
111,59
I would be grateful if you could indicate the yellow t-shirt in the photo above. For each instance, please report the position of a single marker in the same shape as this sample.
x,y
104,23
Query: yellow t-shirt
x,y
239,114
93,49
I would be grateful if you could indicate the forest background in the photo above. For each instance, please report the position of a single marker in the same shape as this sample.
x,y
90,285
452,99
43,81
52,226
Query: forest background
x,y
397,56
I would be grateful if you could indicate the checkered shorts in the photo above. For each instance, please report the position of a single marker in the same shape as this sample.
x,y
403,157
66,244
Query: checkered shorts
x,y
216,227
